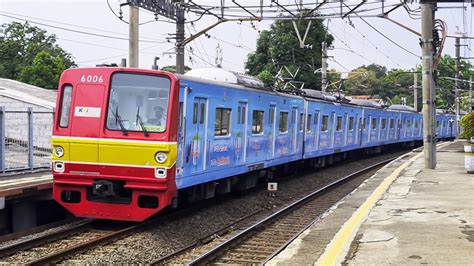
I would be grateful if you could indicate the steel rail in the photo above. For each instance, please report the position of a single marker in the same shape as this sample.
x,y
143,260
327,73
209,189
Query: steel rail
x,y
60,234
220,249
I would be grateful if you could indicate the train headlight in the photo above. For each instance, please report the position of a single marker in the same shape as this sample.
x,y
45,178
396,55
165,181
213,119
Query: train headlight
x,y
59,151
161,157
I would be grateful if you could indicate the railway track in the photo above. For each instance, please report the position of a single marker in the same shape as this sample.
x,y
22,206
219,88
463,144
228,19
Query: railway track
x,y
61,244
264,239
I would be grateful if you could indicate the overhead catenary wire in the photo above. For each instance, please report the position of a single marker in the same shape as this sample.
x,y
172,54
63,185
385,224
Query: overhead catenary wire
x,y
77,31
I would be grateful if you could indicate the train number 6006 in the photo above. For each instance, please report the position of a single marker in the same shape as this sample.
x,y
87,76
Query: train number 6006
x,y
92,78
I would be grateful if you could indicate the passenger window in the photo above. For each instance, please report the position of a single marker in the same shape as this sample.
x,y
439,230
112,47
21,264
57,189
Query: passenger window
x,y
301,121
283,122
203,112
271,116
384,122
438,123
293,116
65,110
351,123
308,123
243,115
257,122
339,123
374,123
324,126
408,123
416,123
222,123
195,113
316,117
238,115
180,112
363,123
392,124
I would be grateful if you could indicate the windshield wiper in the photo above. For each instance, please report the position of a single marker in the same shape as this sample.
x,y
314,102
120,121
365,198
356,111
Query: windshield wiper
x,y
142,125
118,120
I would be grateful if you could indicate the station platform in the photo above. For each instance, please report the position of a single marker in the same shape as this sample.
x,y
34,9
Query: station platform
x,y
404,214
17,185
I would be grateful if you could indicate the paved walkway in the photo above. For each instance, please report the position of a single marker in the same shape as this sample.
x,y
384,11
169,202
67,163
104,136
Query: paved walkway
x,y
425,217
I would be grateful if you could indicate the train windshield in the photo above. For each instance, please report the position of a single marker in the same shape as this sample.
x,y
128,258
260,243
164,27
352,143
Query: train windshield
x,y
138,102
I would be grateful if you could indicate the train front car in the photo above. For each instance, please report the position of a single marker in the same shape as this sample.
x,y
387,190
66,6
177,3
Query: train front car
x,y
114,142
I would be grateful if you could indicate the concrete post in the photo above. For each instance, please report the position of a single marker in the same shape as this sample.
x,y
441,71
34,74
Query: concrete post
x,y
415,91
179,40
429,147
456,83
324,70
470,94
133,36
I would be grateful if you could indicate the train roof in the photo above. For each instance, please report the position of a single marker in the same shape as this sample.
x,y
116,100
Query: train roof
x,y
223,75
366,103
400,107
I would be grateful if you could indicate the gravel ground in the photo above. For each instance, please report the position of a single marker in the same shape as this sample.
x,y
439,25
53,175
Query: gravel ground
x,y
172,235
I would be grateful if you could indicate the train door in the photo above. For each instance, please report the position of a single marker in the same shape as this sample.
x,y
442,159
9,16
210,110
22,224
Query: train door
x,y
240,145
272,135
332,128
294,128
197,135
317,130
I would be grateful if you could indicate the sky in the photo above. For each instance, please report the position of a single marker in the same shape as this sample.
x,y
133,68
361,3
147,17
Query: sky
x,y
356,43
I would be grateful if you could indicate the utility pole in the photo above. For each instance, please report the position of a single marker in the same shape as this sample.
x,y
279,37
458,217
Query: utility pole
x,y
415,91
133,44
456,82
180,39
324,70
429,147
470,94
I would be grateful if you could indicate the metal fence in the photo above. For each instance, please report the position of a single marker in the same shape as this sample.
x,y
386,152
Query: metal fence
x,y
25,143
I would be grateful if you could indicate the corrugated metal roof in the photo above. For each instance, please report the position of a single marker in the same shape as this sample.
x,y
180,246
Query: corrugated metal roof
x,y
27,93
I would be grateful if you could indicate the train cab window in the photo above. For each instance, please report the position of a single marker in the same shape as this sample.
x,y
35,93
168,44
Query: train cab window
x,y
374,123
195,113
324,126
138,103
65,106
283,122
351,123
222,122
384,123
339,123
301,122
257,122
308,123
392,123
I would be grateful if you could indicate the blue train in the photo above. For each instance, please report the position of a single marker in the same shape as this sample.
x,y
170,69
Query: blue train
x,y
227,129
130,142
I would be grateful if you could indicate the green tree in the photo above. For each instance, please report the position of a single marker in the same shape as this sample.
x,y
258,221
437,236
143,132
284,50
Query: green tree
x,y
280,47
172,68
20,48
44,71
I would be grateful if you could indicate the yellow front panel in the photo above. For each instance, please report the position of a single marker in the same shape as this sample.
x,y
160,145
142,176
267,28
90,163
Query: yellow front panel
x,y
117,152
84,151
134,153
